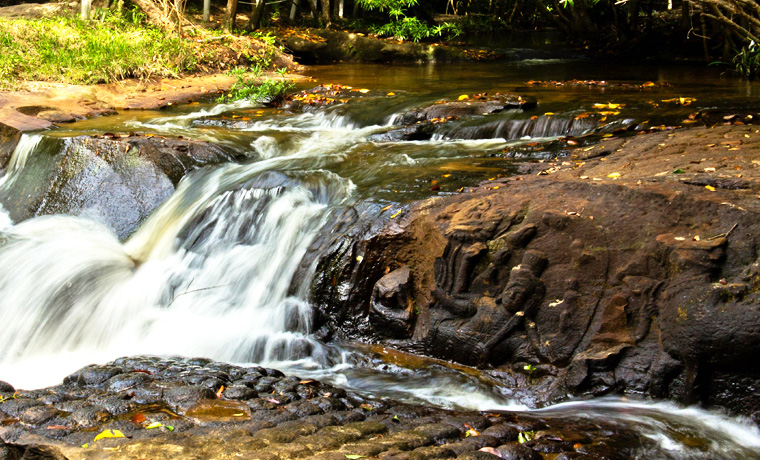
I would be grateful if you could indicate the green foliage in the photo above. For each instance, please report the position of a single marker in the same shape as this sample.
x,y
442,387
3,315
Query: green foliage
x,y
747,61
67,49
250,86
411,28
265,37
395,8
403,27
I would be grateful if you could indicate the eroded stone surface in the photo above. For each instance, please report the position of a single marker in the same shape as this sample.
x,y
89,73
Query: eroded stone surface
x,y
604,274
280,418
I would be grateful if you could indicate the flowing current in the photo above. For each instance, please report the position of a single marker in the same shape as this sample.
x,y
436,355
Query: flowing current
x,y
218,269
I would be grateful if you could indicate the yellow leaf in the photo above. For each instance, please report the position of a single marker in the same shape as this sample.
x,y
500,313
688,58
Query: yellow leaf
x,y
154,425
391,94
710,188
463,97
614,175
364,90
549,113
396,214
109,434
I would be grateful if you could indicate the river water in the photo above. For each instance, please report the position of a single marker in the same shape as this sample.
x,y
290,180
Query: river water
x,y
212,272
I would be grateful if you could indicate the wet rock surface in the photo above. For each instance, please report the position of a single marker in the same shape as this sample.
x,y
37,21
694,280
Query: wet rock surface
x,y
116,180
199,411
633,270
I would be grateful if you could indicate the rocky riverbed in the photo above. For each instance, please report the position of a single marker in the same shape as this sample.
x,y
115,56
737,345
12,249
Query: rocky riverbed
x,y
162,408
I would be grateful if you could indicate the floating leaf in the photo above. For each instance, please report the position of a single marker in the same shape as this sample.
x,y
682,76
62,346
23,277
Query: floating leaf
x,y
364,91
109,434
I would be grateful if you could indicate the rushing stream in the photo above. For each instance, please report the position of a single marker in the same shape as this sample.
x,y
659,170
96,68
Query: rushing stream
x,y
212,272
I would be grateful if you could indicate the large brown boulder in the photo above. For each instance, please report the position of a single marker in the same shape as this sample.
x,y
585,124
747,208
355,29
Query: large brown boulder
x,y
609,274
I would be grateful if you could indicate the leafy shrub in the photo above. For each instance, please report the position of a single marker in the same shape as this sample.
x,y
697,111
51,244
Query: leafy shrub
x,y
250,86
747,61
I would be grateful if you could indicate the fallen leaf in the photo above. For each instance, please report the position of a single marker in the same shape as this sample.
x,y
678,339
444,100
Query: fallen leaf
x,y
109,434
710,188
463,97
614,175
396,214
220,391
386,208
353,457
391,94
154,425
138,418
491,451
678,171
364,91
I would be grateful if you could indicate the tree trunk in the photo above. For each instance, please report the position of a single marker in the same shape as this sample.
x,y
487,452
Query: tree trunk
x,y
313,7
257,12
86,8
229,17
326,13
206,10
293,10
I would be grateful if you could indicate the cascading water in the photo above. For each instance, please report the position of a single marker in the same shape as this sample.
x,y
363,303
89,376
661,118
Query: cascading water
x,y
217,288
217,270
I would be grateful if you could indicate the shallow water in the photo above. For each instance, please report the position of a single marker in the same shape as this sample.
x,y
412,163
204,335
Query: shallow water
x,y
216,270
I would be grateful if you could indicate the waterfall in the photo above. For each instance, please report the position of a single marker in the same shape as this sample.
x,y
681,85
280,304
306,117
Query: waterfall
x,y
210,273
